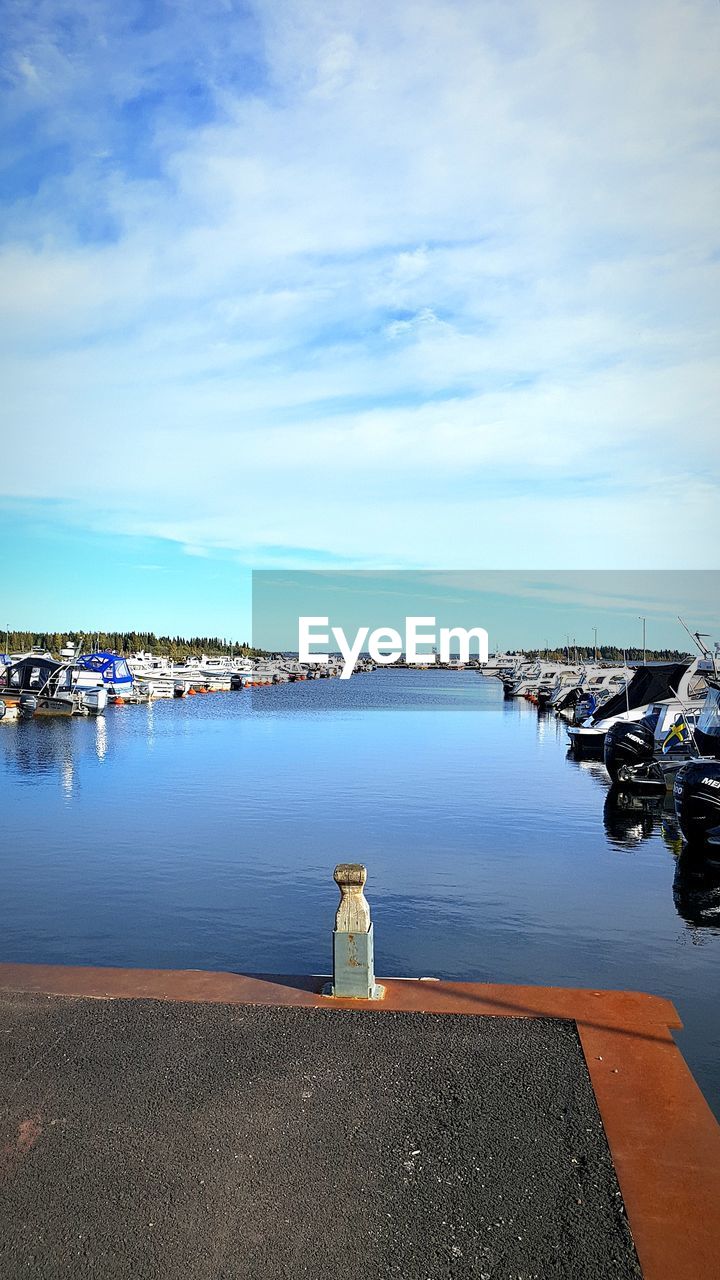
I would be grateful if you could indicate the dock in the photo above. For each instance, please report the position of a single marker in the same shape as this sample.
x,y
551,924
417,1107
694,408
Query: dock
x,y
214,1126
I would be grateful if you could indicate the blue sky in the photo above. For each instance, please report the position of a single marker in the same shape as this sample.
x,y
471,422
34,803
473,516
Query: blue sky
x,y
516,608
317,284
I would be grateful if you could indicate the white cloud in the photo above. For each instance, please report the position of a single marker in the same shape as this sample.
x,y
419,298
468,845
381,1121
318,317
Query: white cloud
x,y
412,276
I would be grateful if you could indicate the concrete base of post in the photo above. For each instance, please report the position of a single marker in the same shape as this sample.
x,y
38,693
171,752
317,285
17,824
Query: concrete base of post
x,y
354,967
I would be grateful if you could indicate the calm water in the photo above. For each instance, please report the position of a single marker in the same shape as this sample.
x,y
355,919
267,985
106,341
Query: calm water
x,y
203,834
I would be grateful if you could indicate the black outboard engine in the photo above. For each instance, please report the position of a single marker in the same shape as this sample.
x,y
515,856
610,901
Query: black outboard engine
x,y
697,802
27,704
629,749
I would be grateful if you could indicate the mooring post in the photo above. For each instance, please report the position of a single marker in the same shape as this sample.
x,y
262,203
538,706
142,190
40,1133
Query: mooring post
x,y
353,960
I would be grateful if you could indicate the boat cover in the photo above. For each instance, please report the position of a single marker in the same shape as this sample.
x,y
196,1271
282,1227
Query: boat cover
x,y
29,673
649,684
111,668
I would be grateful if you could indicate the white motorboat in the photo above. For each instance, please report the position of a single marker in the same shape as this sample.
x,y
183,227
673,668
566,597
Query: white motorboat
x,y
596,685
651,688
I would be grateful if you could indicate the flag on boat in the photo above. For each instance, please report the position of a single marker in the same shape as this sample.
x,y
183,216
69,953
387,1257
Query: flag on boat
x,y
677,735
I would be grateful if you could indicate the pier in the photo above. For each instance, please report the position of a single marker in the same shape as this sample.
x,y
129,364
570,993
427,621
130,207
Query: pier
x,y
197,1124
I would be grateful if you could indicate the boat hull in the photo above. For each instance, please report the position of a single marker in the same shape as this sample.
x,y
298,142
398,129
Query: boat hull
x,y
587,744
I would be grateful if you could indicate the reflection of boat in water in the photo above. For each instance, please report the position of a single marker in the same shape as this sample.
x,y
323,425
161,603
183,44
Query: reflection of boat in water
x,y
696,887
629,817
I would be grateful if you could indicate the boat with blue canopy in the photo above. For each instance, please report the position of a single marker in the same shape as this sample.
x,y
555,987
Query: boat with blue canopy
x,y
111,670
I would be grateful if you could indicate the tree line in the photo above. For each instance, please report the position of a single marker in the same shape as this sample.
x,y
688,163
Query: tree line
x,y
606,653
127,642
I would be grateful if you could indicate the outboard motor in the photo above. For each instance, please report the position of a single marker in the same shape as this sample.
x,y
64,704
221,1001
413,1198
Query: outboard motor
x,y
27,704
585,705
629,748
697,802
2,709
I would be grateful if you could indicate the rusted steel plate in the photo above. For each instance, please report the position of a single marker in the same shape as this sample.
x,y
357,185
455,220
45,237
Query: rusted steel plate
x,y
606,1008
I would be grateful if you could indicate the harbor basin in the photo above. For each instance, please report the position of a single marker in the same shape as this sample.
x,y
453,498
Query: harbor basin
x,y
202,833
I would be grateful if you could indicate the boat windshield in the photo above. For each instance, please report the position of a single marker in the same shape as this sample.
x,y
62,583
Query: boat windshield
x,y
651,717
709,721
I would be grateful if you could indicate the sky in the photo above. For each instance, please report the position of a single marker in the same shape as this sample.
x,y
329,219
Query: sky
x,y
518,609
327,284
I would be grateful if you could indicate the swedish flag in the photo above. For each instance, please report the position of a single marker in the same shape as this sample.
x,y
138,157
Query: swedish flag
x,y
678,734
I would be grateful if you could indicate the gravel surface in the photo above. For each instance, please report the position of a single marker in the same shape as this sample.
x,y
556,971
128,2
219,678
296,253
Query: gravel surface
x,y
213,1142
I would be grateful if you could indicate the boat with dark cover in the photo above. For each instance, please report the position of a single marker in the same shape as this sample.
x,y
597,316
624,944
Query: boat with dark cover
x,y
650,686
697,784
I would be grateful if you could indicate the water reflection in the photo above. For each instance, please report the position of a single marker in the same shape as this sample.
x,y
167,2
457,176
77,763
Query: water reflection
x,y
594,769
101,741
629,818
150,722
632,816
41,747
696,887
68,777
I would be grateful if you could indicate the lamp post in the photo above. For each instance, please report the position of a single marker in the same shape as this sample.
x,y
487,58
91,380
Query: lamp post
x,y
643,620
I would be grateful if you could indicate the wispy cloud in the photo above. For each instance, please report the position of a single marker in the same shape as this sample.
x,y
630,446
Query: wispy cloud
x,y
435,283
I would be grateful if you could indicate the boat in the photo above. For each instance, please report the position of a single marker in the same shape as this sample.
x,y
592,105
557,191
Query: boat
x,y
648,752
110,671
696,793
652,686
551,680
696,790
499,664
595,686
519,678
707,729
37,685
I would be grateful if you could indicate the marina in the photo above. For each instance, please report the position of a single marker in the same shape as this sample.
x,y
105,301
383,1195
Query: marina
x,y
359,873
196,832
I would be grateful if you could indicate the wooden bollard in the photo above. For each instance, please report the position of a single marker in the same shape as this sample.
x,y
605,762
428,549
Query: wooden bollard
x,y
353,958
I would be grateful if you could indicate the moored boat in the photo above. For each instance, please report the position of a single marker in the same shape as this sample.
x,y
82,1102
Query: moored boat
x,y
651,686
37,685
